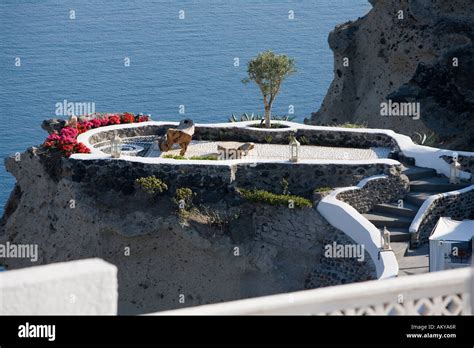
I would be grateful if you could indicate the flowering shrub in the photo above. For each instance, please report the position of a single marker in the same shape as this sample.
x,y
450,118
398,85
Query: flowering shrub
x,y
96,122
114,119
69,132
66,140
84,126
142,118
104,121
127,118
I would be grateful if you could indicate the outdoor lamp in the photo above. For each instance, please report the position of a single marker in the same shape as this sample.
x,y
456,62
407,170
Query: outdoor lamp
x,y
294,149
386,240
454,171
115,146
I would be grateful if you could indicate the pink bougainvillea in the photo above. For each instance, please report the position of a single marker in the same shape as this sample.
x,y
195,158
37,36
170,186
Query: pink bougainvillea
x,y
83,127
66,140
96,123
143,118
114,119
127,118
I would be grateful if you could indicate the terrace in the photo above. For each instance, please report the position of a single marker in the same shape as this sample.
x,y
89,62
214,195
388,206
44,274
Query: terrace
x,y
140,140
347,182
348,148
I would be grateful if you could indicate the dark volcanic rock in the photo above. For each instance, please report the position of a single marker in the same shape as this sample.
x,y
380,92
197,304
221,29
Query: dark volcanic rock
x,y
53,125
409,59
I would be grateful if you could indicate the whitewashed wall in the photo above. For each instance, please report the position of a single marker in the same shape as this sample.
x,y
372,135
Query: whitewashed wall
x,y
347,219
84,287
437,293
424,156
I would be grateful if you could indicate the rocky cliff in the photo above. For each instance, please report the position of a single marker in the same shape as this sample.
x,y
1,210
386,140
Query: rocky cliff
x,y
406,51
168,258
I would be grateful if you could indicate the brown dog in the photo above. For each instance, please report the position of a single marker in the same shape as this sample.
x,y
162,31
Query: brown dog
x,y
175,136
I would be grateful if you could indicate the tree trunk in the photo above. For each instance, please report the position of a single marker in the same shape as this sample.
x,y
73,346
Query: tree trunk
x,y
268,109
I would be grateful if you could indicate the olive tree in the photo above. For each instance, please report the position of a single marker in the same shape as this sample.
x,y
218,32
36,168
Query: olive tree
x,y
268,70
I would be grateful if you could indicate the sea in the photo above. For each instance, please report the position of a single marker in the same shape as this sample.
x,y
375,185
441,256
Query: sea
x,y
171,59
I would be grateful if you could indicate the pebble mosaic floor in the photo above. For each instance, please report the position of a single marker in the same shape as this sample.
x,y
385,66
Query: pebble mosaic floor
x,y
261,151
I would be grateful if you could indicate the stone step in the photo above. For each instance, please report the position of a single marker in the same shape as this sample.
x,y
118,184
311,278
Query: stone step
x,y
415,173
399,234
387,220
435,184
417,198
399,248
408,210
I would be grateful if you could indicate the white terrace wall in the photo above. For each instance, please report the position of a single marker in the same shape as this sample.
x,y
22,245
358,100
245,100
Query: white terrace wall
x,y
403,146
458,205
431,157
465,159
243,132
439,293
84,287
346,218
212,178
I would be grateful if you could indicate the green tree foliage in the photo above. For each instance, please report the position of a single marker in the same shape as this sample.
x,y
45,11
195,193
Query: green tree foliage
x,y
268,70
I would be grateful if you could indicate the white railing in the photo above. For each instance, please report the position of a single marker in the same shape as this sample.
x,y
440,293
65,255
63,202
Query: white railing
x,y
437,293
347,219
82,287
431,200
424,156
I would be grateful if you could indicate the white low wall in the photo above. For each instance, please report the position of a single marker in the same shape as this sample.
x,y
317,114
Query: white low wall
x,y
429,157
424,294
423,211
424,156
347,219
84,287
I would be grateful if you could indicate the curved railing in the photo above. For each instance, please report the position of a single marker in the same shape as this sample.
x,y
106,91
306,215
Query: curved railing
x,y
427,216
424,156
347,219
426,294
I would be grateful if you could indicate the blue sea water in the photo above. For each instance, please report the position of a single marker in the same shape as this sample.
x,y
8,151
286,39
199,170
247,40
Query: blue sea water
x,y
173,61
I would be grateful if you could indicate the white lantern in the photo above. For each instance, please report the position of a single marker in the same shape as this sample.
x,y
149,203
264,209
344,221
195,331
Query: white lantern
x,y
385,240
294,149
454,170
115,146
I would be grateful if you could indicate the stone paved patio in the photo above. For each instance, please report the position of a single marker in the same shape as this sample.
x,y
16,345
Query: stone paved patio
x,y
411,262
281,152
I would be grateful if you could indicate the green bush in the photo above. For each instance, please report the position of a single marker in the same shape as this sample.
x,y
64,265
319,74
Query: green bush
x,y
284,186
257,117
268,139
427,139
207,158
303,140
179,157
272,125
184,194
151,185
322,189
176,157
274,199
350,125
